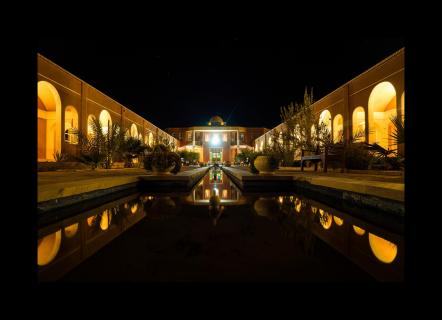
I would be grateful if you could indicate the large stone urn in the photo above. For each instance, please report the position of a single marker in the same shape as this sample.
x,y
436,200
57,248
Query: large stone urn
x,y
265,164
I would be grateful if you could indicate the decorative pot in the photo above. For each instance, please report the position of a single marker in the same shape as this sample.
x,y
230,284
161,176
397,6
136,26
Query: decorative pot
x,y
162,171
265,164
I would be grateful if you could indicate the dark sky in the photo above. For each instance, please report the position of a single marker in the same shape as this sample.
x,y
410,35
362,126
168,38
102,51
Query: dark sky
x,y
183,82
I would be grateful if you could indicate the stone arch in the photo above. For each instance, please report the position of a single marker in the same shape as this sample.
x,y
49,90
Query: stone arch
x,y
381,108
325,117
90,131
49,121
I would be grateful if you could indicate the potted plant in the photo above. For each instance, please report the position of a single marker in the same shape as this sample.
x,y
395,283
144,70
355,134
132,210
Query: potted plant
x,y
162,160
265,162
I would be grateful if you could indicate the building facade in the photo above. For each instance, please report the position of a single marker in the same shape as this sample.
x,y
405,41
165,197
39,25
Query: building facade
x,y
363,104
67,103
216,142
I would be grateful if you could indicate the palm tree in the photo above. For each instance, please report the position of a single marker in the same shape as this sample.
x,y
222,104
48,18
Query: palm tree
x,y
399,133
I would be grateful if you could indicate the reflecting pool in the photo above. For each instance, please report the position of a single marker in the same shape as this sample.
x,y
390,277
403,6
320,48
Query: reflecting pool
x,y
217,233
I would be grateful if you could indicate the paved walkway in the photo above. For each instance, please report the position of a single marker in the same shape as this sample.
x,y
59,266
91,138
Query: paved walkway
x,y
385,186
58,184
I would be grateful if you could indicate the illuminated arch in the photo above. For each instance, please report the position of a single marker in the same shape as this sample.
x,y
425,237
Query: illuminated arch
x,y
381,108
358,231
325,118
106,218
325,219
48,248
338,220
90,131
146,139
71,231
338,128
49,121
358,122
140,137
151,139
134,131
384,250
403,105
105,121
71,125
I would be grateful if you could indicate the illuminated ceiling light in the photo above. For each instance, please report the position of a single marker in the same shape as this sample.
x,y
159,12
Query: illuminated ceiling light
x,y
338,221
384,250
48,248
215,140
359,231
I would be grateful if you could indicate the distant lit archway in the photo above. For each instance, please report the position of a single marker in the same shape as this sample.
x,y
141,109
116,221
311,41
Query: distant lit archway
x,y
358,124
90,125
151,139
49,121
134,131
71,125
338,128
403,105
325,118
105,121
381,108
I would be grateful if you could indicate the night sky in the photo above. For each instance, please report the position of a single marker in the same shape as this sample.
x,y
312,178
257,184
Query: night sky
x,y
183,82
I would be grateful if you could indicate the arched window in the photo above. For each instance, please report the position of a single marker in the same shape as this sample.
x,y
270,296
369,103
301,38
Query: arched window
x,y
151,142
381,108
359,123
105,121
71,125
338,128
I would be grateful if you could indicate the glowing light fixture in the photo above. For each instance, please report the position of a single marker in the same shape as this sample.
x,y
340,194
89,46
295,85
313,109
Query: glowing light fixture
x,y
215,139
325,219
134,208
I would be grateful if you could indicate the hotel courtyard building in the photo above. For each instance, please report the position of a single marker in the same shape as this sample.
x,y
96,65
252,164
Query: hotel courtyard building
x,y
365,103
216,142
67,103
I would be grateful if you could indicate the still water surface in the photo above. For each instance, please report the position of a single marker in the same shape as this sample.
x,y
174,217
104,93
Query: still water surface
x,y
216,233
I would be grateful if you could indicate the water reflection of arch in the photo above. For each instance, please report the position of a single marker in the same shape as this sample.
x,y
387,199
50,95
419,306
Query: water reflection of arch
x,y
375,250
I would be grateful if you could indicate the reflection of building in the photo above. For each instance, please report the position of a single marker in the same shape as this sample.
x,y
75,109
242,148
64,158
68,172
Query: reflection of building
x,y
67,103
216,141
365,103
215,184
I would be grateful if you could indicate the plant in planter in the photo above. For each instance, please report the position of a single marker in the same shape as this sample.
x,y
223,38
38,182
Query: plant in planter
x,y
265,162
130,149
162,160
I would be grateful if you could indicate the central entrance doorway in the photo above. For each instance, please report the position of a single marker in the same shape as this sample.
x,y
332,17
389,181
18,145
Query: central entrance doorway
x,y
216,155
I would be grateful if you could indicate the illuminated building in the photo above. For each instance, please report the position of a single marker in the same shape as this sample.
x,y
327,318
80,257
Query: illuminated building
x,y
216,142
366,103
65,105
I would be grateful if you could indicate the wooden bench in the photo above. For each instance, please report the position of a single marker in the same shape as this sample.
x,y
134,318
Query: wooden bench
x,y
325,157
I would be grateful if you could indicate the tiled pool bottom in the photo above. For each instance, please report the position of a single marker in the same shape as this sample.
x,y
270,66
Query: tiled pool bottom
x,y
215,233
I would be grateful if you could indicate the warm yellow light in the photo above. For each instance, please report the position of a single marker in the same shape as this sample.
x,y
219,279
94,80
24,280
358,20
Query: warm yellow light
x,y
338,220
325,219
359,231
134,208
280,199
314,210
384,250
106,218
91,220
126,205
48,248
225,193
71,230
298,205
